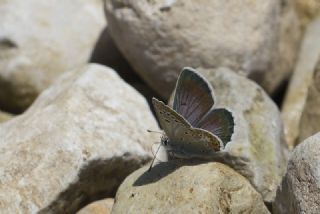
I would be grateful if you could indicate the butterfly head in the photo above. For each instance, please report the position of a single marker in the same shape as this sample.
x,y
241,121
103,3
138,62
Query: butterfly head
x,y
164,140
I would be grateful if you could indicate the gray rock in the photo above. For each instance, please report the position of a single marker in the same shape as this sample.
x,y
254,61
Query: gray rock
x,y
300,188
174,187
39,40
75,144
160,37
257,150
296,97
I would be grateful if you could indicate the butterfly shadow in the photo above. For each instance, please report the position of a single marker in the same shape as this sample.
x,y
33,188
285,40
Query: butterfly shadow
x,y
163,169
156,173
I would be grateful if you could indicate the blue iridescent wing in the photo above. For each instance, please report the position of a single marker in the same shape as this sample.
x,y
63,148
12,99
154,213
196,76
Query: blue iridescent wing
x,y
193,96
220,122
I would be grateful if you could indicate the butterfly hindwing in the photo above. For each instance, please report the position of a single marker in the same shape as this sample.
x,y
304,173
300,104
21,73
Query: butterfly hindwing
x,y
193,96
194,142
220,122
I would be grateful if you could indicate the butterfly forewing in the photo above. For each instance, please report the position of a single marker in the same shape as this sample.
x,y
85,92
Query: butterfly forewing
x,y
193,96
169,120
185,141
220,122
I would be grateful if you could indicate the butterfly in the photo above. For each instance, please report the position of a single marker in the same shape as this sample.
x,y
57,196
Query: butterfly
x,y
193,128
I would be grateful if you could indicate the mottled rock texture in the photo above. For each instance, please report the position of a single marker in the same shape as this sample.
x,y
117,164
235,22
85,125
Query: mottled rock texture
x,y
300,188
39,40
158,38
75,144
177,188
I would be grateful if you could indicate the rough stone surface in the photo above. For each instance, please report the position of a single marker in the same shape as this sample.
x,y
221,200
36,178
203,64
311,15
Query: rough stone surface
x,y
174,187
98,207
301,80
4,116
160,37
310,119
41,39
300,188
257,149
75,144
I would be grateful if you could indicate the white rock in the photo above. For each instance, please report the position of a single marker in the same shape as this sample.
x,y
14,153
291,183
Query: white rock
x,y
41,39
300,82
257,150
160,37
178,188
75,144
300,188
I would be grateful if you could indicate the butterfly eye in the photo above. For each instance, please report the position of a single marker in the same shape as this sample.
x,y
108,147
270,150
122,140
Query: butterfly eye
x,y
165,142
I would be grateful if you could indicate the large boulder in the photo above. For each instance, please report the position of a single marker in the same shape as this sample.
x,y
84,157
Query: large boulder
x,y
257,149
300,188
160,37
296,96
177,188
41,39
75,144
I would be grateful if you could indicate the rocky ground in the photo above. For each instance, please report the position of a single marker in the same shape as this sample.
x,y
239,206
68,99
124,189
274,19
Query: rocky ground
x,y
77,78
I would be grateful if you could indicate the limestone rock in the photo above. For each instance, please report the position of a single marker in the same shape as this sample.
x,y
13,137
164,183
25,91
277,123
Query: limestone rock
x,y
300,188
159,38
176,188
98,207
310,119
4,116
301,80
41,39
257,150
75,144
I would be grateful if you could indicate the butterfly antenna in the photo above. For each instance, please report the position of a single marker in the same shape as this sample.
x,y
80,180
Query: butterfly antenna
x,y
154,157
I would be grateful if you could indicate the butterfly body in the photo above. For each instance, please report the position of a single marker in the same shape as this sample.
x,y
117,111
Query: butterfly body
x,y
193,128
